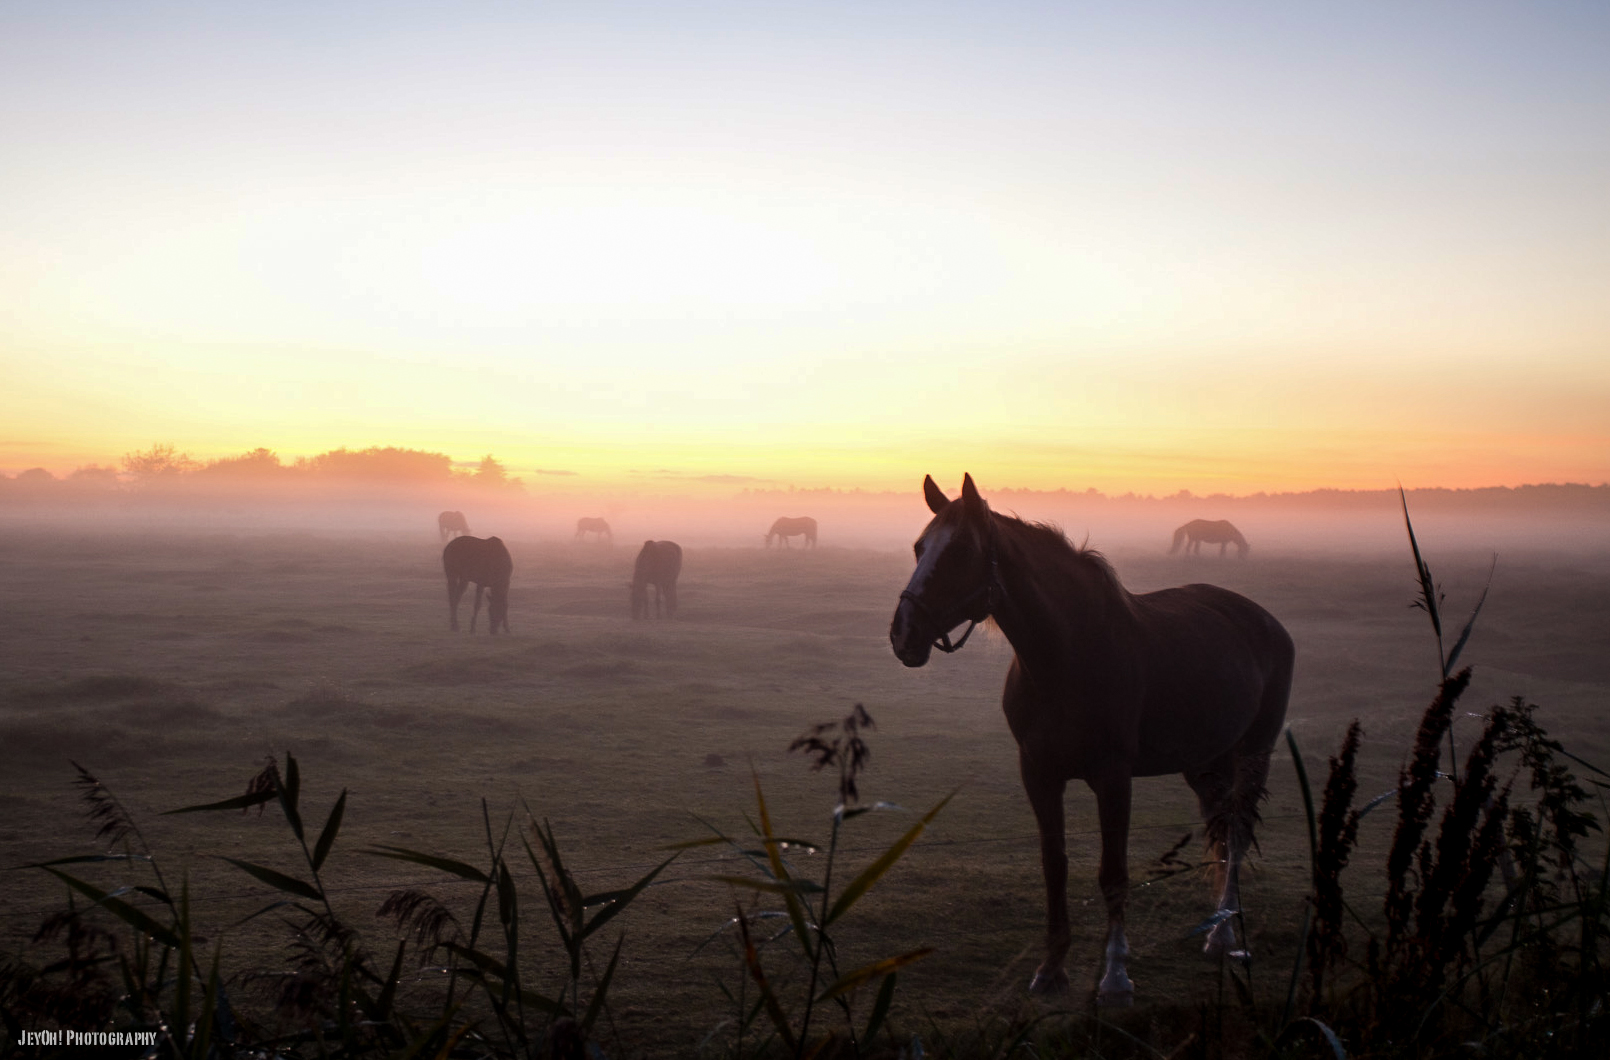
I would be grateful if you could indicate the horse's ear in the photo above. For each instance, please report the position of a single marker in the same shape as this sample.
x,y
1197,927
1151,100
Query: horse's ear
x,y
933,495
971,501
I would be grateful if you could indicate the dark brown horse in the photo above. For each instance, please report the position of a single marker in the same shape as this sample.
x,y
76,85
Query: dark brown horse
x,y
451,524
658,564
1214,532
487,564
597,527
785,528
1106,686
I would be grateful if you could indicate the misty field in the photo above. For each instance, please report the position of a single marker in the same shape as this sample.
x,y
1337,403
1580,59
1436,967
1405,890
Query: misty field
x,y
171,665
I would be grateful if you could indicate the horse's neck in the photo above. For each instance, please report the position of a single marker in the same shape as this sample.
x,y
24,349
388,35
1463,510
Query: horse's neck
x,y
1055,611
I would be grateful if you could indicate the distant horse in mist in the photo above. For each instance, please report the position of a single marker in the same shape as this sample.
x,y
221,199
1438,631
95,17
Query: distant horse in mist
x,y
485,562
597,527
451,524
1106,686
785,528
658,564
1214,532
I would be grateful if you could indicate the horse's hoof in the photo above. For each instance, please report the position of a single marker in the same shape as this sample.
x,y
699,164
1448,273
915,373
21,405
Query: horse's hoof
x,y
1115,998
1049,984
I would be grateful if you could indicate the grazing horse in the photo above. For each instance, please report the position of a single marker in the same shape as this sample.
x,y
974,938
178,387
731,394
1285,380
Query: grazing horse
x,y
588,525
1214,532
658,564
487,564
785,528
451,524
1106,686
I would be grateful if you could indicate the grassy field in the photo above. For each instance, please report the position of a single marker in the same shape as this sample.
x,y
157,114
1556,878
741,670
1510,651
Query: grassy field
x,y
172,665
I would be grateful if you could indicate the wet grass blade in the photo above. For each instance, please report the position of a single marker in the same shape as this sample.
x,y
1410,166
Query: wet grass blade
x,y
1428,588
796,907
596,1005
277,880
1470,623
880,1007
290,793
135,918
321,850
617,901
239,802
869,972
1308,804
873,872
457,868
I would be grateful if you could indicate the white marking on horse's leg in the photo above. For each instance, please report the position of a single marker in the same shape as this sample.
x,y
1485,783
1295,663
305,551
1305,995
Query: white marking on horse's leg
x,y
1116,989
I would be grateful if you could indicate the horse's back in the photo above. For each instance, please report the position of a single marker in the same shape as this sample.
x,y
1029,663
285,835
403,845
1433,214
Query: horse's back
x,y
658,562
1218,671
485,561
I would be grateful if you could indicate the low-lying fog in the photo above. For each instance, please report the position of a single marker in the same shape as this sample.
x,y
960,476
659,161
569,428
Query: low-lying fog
x,y
1551,518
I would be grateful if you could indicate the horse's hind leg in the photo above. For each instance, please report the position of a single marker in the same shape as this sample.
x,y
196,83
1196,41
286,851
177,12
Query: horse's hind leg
x,y
1113,795
1229,791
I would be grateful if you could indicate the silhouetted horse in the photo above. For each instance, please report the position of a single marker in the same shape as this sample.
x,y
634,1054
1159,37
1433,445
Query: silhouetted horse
x,y
587,525
785,528
1214,532
487,564
451,524
658,564
1106,686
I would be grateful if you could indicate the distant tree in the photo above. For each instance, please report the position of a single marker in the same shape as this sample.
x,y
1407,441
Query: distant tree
x,y
258,463
491,472
158,463
376,464
93,476
35,476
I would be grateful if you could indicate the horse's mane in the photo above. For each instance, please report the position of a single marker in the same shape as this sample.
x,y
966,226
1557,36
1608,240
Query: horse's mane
x,y
1049,540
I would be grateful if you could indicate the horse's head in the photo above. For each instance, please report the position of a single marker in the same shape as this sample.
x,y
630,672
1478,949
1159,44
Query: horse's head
x,y
955,580
497,608
637,591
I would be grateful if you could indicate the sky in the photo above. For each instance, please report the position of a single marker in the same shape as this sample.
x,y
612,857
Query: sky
x,y
1133,247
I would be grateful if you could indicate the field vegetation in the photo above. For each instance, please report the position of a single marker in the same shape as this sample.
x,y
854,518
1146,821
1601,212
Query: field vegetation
x,y
405,841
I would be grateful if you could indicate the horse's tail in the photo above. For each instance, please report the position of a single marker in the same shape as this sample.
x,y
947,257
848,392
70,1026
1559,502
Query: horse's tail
x,y
1179,539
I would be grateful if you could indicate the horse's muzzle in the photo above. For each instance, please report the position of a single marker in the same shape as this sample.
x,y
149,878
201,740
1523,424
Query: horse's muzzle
x,y
911,645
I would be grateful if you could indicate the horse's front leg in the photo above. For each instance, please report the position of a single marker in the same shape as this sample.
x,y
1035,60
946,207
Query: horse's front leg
x,y
1045,797
474,614
1112,808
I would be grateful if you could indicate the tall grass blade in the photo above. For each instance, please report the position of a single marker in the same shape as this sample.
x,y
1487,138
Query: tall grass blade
x,y
774,1008
880,1007
869,972
1308,803
596,1005
277,880
291,793
135,918
239,802
1470,623
1428,588
779,871
873,872
457,868
617,901
332,825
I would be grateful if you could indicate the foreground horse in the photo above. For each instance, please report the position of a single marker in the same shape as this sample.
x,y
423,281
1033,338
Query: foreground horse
x,y
588,525
451,524
658,564
487,564
1214,532
1106,686
785,528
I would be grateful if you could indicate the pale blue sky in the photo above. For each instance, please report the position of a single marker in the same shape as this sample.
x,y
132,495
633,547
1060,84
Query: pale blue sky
x,y
1069,243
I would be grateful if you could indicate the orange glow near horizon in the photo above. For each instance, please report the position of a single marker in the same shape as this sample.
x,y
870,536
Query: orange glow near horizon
x,y
771,249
